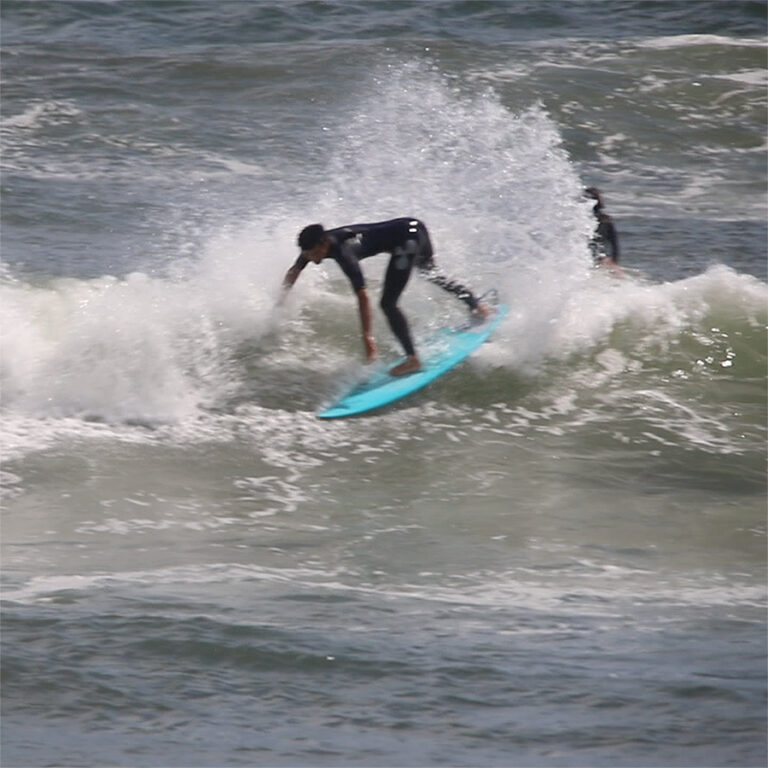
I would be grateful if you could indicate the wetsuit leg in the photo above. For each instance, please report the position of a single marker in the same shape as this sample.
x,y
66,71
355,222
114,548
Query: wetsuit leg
x,y
429,271
426,265
395,279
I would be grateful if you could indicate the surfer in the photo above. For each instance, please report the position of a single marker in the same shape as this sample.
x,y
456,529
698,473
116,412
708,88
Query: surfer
x,y
407,241
604,244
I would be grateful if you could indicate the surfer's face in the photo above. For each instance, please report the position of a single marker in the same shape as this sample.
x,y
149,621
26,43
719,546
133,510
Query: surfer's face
x,y
318,253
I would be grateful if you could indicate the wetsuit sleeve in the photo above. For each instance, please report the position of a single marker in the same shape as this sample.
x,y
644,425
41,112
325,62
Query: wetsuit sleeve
x,y
351,268
300,262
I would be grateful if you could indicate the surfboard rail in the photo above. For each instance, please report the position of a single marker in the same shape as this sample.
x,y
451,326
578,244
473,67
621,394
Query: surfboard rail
x,y
439,354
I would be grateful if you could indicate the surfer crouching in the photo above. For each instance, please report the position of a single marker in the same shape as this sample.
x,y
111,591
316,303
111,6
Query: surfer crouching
x,y
407,241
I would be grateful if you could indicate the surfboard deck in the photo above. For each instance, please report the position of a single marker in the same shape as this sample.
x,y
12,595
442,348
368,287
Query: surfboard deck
x,y
442,351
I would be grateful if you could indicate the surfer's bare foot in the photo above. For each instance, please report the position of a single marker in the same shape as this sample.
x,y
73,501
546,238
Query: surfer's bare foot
x,y
411,364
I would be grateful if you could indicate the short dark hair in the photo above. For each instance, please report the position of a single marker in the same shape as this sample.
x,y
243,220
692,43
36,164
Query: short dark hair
x,y
310,237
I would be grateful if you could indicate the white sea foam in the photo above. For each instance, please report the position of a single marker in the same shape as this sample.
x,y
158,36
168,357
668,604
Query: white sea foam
x,y
502,202
680,41
38,113
158,348
584,587
77,352
749,76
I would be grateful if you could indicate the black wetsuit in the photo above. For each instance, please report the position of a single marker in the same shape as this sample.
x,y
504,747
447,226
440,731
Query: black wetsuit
x,y
605,243
407,241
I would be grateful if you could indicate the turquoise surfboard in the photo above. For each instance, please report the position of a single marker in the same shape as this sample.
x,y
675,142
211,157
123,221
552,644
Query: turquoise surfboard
x,y
439,353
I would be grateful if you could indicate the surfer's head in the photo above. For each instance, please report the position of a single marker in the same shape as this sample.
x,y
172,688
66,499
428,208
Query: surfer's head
x,y
313,242
594,194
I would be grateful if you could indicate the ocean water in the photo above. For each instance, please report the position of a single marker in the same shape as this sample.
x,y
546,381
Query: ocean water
x,y
553,556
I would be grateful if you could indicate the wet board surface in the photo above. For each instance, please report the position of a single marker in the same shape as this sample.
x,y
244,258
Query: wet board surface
x,y
440,352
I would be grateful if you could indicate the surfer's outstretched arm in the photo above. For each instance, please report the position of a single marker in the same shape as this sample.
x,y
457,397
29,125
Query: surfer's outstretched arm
x,y
291,276
364,305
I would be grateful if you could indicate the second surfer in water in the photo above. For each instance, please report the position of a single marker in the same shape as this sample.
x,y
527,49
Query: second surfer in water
x,y
407,241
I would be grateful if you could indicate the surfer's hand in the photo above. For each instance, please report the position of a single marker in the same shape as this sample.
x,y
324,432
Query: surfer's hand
x,y
481,311
370,348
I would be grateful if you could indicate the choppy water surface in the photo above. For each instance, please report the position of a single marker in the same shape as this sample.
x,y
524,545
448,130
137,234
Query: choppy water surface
x,y
555,556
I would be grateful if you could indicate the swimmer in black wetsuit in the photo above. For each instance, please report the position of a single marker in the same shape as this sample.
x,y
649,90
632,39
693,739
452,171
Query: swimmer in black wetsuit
x,y
605,242
407,241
